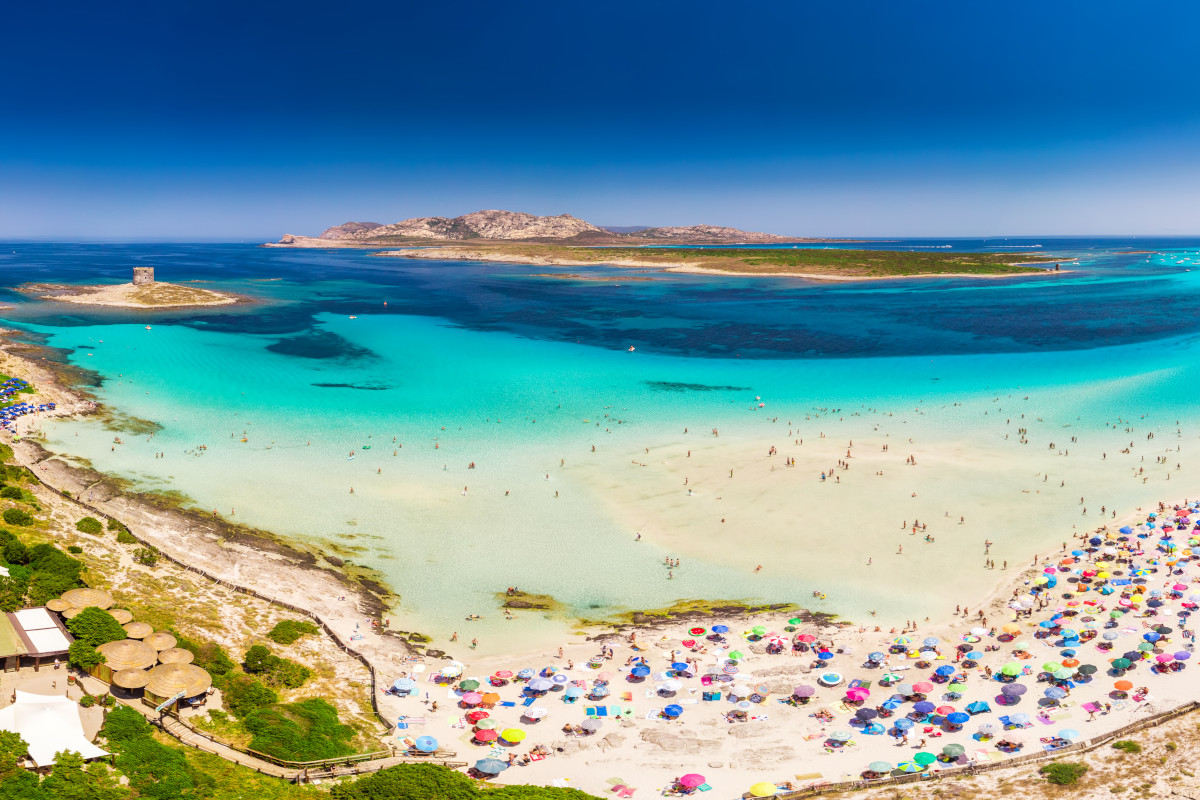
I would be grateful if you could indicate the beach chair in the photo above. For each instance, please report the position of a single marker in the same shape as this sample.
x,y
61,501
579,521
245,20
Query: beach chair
x,y
529,701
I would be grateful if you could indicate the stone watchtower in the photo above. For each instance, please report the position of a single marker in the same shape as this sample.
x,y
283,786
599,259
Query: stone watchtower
x,y
143,275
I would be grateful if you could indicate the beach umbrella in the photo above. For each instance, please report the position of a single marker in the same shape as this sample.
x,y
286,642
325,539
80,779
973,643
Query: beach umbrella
x,y
513,735
945,670
1063,674
599,691
1011,668
541,685
932,641
956,688
427,744
866,714
525,673
1069,733
902,640
477,715
758,630
691,780
764,789
978,707
1011,628
1123,686
490,766
469,685
944,710
988,729
504,674
905,689
452,671
874,729
1019,719
876,657
806,638
486,735
591,724
487,724
679,666
957,718
953,750
1055,693
1121,663
640,671
831,678
803,691
671,686
924,759
1163,658
1144,647
1086,669
573,691
536,712
736,655
1110,636
924,707
471,699
909,766
673,710
560,679
923,687
720,628
1182,655
904,723
880,766
824,655
890,705
974,655
1051,666
404,684
858,693
841,736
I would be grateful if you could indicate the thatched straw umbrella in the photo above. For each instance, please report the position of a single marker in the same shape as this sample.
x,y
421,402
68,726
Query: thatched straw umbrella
x,y
175,655
72,612
121,615
58,604
128,654
161,640
167,680
82,598
131,678
138,630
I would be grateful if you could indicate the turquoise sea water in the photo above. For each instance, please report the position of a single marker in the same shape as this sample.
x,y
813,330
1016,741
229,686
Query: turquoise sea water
x,y
523,375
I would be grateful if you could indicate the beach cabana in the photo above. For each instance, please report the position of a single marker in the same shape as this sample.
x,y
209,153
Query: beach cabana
x,y
184,681
138,630
175,655
124,654
161,640
131,678
83,598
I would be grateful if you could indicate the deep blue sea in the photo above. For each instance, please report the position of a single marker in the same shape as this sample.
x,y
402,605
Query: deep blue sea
x,y
445,364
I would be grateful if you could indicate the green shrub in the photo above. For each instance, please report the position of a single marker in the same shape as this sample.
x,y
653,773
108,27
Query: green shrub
x,y
1064,773
12,493
275,670
83,655
146,556
154,770
113,525
430,781
74,549
125,537
287,631
89,525
52,573
95,627
1128,746
243,695
15,551
304,731
208,656
15,516
87,701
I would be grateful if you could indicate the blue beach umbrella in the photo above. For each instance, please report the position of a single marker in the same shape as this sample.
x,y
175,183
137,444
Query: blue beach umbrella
x,y
974,655
874,729
944,670
573,691
490,766
640,671
978,707
909,766
404,684
841,736
924,707
427,744
957,718
525,673
1055,693
680,666
876,656
720,629
1069,733
1019,719
890,705
673,710
904,723
931,641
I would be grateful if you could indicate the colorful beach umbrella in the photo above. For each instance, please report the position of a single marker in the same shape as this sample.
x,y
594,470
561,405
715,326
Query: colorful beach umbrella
x,y
691,780
764,789
513,735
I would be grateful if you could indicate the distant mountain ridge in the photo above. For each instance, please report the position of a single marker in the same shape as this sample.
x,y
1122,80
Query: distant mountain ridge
x,y
516,226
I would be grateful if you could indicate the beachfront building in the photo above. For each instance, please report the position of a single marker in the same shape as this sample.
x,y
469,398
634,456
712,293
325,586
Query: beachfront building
x,y
49,724
32,635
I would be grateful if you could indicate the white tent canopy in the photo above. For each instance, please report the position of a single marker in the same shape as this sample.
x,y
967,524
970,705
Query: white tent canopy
x,y
50,724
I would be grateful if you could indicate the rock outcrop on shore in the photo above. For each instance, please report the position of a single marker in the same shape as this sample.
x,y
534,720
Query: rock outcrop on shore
x,y
511,226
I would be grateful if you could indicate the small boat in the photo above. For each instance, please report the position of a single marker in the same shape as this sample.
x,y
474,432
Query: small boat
x,y
353,317
631,348
147,327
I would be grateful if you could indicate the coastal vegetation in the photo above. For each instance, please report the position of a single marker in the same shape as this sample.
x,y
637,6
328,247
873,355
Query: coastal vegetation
x,y
287,631
808,261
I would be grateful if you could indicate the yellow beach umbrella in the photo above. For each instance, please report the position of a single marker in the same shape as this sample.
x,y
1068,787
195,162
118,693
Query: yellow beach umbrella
x,y
513,735
764,789
1011,627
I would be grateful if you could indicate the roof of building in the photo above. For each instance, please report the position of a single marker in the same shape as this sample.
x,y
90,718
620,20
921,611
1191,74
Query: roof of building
x,y
32,632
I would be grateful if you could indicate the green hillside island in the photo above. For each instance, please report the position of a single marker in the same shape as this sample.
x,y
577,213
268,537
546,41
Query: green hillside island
x,y
832,262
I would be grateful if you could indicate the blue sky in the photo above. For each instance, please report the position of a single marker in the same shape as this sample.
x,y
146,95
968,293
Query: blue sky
x,y
229,121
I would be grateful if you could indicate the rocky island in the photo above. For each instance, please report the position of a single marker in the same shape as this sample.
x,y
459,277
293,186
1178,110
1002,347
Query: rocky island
x,y
142,292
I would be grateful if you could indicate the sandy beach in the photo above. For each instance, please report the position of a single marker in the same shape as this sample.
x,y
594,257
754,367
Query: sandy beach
x,y
129,295
778,741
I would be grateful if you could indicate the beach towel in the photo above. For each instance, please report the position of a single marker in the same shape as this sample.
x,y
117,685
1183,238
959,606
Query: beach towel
x,y
536,756
627,697
597,711
507,703
704,787
1090,707
529,701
